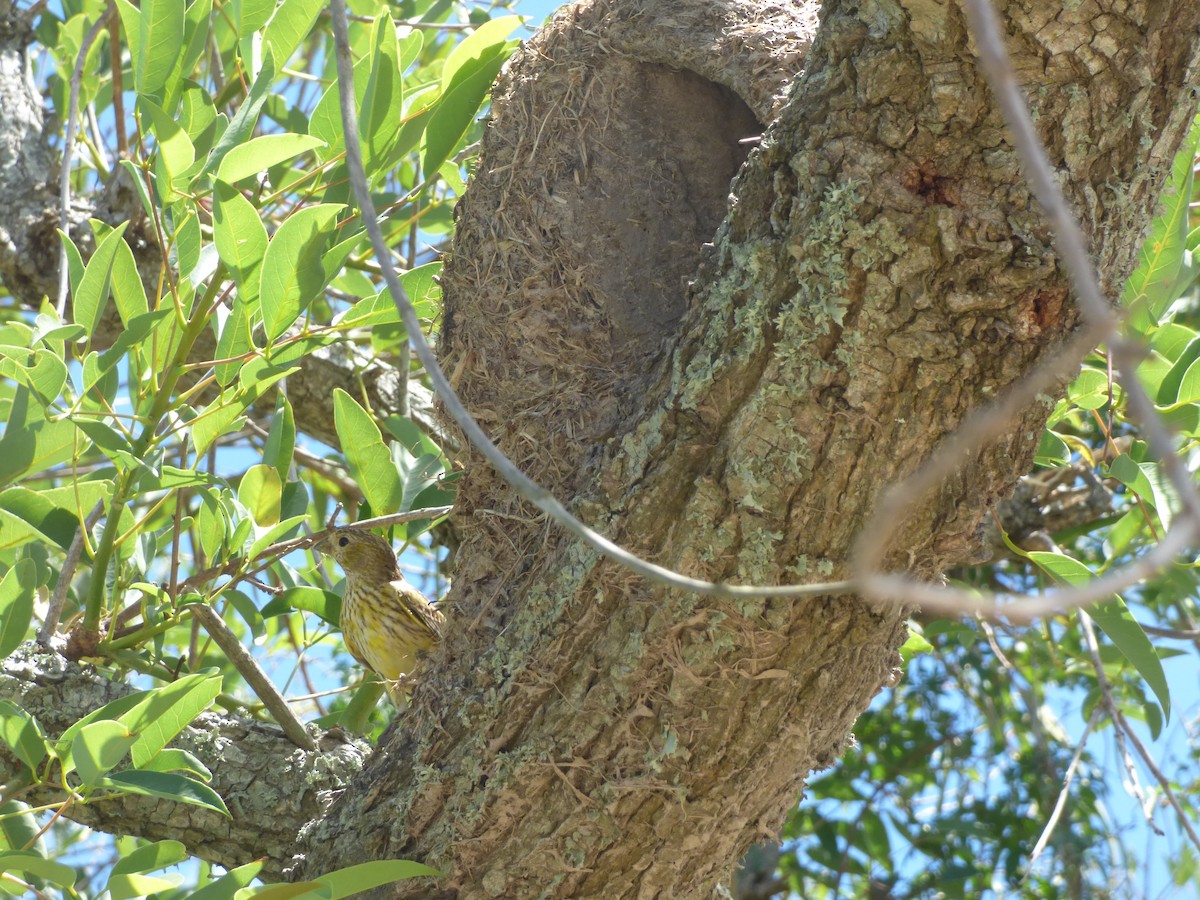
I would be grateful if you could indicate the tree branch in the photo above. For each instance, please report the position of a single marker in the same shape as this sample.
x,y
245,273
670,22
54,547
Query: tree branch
x,y
273,789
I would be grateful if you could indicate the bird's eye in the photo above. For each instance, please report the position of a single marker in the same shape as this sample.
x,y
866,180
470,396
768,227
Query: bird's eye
x,y
343,541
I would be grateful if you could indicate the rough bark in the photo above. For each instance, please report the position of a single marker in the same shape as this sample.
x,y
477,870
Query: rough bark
x,y
271,787
883,271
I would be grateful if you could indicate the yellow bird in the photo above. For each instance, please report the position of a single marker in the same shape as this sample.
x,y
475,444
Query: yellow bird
x,y
386,622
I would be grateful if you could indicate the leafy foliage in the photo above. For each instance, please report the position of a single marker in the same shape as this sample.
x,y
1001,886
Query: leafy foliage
x,y
169,444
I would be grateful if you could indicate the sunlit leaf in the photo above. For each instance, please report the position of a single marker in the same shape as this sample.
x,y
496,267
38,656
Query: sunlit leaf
x,y
292,269
33,864
1115,620
23,734
98,747
95,285
368,457
164,712
160,42
166,786
16,605
260,153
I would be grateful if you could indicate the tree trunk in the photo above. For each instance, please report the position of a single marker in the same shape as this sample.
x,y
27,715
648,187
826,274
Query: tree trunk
x,y
882,272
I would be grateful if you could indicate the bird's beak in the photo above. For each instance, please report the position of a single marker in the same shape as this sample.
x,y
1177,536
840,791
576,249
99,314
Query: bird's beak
x,y
323,546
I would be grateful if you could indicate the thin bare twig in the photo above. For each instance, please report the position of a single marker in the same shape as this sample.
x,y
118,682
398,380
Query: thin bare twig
x,y
1061,803
59,598
1110,706
254,675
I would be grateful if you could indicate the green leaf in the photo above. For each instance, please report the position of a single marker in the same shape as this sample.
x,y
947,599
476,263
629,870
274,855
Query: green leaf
x,y
42,371
109,441
189,246
98,747
479,45
290,25
1115,620
127,288
31,443
915,644
95,284
49,329
124,887
175,151
149,857
366,454
33,864
307,890
382,102
164,712
236,341
172,759
325,123
1090,389
260,491
217,418
195,33
212,525
367,876
416,473
16,605
23,734
1147,482
1052,451
1168,390
1153,286
160,42
136,331
137,178
1189,385
20,828
166,786
293,273
254,15
280,531
242,126
15,531
281,441
112,710
326,605
226,887
74,261
458,106
260,153
62,746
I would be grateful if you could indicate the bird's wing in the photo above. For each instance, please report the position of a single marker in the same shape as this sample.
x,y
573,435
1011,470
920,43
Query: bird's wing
x,y
419,608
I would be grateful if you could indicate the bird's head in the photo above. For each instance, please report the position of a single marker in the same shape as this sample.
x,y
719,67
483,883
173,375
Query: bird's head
x,y
360,553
